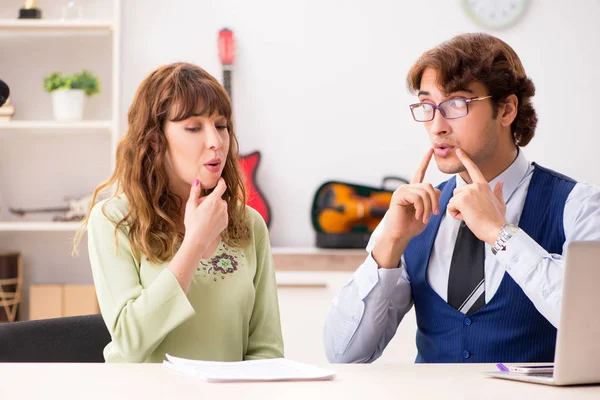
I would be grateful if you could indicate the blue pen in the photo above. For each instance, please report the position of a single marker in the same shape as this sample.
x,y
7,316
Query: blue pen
x,y
502,367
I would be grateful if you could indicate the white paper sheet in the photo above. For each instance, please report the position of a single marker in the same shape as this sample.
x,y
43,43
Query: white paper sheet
x,y
274,369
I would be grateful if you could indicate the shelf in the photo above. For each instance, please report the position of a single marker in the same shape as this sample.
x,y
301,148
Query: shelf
x,y
39,226
55,25
316,251
316,259
55,125
285,258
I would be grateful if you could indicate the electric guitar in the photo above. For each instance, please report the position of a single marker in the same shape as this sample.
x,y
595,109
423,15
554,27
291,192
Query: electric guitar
x,y
249,162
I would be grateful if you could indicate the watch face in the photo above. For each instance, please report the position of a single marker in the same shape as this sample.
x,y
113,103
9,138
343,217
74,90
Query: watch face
x,y
495,14
511,229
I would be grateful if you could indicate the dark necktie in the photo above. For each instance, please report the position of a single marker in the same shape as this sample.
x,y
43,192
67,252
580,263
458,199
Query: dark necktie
x,y
466,282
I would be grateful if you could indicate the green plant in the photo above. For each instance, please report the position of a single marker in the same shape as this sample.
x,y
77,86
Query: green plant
x,y
85,80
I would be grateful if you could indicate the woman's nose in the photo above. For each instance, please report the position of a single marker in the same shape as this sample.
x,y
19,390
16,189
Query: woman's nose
x,y
214,140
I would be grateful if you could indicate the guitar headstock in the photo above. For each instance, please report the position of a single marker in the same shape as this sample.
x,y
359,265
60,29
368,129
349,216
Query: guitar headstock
x,y
226,46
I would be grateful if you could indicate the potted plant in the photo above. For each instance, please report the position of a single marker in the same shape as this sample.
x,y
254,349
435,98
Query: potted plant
x,y
68,93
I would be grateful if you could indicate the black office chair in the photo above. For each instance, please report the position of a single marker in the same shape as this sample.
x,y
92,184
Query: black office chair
x,y
67,339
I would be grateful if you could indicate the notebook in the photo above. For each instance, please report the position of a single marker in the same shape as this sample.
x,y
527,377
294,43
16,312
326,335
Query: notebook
x,y
267,370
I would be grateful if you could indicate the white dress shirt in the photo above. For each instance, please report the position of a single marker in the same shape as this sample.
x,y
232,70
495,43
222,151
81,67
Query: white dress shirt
x,y
364,317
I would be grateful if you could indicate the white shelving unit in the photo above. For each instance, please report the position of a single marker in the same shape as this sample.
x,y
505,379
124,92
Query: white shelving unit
x,y
39,226
58,126
42,161
41,25
15,28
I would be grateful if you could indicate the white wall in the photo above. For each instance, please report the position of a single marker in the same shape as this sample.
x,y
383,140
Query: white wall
x,y
319,86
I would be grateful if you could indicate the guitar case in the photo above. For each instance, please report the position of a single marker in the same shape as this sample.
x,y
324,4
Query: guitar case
x,y
343,215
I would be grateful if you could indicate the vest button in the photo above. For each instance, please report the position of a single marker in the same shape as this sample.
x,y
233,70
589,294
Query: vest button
x,y
466,354
467,321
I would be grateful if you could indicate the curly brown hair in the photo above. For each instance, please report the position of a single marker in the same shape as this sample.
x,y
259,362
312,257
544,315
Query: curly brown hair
x,y
140,173
479,57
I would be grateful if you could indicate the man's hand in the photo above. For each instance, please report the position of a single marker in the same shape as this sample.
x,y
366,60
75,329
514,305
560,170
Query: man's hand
x,y
482,209
410,210
412,205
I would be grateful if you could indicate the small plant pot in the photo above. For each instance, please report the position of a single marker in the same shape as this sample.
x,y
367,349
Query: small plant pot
x,y
68,104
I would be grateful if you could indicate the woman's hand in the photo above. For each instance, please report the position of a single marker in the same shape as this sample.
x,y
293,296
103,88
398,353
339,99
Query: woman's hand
x,y
205,217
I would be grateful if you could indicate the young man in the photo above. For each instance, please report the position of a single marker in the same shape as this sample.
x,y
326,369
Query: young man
x,y
481,256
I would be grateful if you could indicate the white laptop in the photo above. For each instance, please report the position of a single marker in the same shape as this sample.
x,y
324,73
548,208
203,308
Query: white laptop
x,y
577,355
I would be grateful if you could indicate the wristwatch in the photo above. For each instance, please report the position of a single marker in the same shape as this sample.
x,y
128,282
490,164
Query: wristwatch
x,y
508,231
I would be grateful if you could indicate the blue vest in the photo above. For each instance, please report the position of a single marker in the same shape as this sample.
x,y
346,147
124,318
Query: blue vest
x,y
508,328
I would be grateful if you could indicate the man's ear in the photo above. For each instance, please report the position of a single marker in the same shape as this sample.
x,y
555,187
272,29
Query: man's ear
x,y
508,110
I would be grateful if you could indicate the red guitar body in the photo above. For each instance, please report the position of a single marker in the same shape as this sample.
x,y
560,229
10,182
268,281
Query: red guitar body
x,y
249,162
254,199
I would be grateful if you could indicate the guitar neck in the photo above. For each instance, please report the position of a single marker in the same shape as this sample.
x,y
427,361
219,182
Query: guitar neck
x,y
227,78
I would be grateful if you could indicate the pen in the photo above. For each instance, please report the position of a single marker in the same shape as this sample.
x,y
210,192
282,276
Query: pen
x,y
502,367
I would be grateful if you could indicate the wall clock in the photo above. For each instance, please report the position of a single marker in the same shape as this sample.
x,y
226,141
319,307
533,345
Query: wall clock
x,y
495,14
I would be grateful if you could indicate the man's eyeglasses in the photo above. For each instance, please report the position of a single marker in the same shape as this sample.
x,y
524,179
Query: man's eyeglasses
x,y
450,109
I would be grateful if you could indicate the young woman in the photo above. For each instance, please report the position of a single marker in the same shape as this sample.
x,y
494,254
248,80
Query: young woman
x,y
181,265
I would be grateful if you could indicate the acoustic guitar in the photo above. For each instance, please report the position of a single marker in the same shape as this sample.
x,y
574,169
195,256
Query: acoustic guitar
x,y
249,162
342,208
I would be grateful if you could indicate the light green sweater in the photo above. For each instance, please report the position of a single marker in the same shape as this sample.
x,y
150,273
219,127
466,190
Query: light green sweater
x,y
230,313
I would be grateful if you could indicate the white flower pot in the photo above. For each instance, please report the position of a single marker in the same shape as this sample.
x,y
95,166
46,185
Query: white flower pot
x,y
68,104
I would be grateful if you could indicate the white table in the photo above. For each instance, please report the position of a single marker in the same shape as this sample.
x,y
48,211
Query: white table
x,y
366,382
